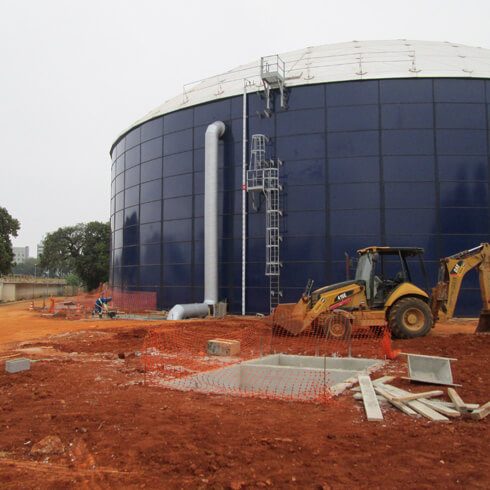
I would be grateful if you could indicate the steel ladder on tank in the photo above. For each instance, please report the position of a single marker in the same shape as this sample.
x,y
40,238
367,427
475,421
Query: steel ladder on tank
x,y
263,176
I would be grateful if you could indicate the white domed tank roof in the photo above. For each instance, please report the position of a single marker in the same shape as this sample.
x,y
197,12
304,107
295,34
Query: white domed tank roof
x,y
356,60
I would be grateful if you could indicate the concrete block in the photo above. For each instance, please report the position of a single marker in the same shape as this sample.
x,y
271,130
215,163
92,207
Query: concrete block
x,y
223,347
16,365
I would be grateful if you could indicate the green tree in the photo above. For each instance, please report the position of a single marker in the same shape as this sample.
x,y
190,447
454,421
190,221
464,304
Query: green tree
x,y
72,280
92,266
29,267
8,228
82,250
61,249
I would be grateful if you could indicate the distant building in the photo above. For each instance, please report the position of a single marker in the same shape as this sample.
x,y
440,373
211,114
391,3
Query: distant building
x,y
21,254
40,249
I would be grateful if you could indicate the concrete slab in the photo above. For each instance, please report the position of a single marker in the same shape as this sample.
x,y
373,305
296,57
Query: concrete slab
x,y
295,377
16,365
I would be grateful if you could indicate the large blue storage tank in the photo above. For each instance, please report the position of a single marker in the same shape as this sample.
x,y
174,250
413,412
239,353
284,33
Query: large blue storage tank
x,y
383,143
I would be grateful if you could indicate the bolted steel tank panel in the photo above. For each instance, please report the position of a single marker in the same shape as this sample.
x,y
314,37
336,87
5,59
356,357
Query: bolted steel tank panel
x,y
400,162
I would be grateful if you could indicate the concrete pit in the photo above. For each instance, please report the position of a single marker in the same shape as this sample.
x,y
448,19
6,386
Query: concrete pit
x,y
285,376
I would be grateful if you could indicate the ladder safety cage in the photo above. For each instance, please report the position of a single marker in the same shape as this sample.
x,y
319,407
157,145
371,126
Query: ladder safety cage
x,y
263,176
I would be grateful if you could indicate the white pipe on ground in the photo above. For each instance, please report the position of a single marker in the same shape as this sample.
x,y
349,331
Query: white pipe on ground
x,y
213,133
192,310
179,312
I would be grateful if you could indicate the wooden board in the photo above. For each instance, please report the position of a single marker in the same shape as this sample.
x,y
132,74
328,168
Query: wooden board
x,y
358,396
427,411
416,405
371,405
481,412
416,396
457,400
383,379
401,406
449,412
469,406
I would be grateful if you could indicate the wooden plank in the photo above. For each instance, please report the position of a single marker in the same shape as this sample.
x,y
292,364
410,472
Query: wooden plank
x,y
469,406
417,405
449,412
416,396
358,396
401,406
426,411
371,405
383,379
482,412
457,400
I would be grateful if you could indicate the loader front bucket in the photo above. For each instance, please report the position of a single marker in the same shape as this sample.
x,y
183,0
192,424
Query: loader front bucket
x,y
484,322
290,316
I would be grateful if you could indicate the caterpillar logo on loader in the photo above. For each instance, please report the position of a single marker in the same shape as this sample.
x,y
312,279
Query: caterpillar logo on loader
x,y
345,295
383,292
457,268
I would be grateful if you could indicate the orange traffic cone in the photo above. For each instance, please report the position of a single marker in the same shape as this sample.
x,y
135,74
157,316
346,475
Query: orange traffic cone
x,y
387,348
51,308
31,307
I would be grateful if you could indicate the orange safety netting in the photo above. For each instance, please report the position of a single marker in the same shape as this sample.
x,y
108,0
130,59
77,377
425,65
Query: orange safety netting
x,y
175,356
127,301
133,301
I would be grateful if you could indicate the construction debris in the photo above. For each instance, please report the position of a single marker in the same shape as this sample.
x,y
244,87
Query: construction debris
x,y
415,396
449,412
456,399
48,445
401,406
481,412
223,347
16,365
415,404
430,369
373,412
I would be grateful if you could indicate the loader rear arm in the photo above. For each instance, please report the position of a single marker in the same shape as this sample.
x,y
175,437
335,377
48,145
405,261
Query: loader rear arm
x,y
451,273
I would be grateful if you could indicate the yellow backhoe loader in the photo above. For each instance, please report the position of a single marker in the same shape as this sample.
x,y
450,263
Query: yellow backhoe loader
x,y
451,273
383,292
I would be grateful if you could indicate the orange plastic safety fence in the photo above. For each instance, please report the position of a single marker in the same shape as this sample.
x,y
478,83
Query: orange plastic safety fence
x,y
267,366
333,334
132,301
127,301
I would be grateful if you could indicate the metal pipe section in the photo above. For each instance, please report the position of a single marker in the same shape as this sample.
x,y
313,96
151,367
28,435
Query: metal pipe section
x,y
213,133
244,193
179,312
192,310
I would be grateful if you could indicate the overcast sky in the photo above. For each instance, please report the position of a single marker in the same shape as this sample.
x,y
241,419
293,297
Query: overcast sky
x,y
75,74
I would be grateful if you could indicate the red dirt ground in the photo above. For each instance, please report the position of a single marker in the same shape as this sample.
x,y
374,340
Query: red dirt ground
x,y
120,433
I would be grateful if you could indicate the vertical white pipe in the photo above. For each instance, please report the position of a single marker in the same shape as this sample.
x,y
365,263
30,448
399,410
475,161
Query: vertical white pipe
x,y
213,133
244,193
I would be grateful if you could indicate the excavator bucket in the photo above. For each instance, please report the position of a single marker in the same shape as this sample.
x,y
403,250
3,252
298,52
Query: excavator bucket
x,y
290,316
484,322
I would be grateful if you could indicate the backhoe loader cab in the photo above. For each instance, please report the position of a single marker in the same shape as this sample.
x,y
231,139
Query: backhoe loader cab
x,y
383,269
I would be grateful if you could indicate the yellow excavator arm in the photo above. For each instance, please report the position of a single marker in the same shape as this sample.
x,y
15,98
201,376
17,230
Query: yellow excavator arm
x,y
451,273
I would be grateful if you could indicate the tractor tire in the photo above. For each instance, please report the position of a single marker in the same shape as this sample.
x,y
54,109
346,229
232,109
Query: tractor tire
x,y
337,327
409,318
